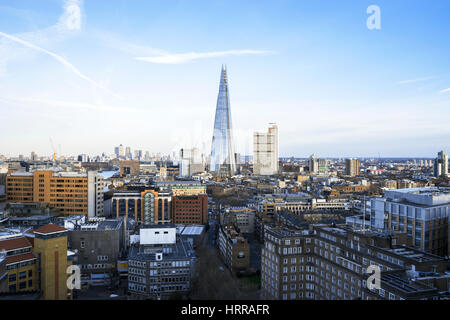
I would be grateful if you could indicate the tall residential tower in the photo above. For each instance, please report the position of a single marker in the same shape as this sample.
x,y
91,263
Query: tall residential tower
x,y
265,151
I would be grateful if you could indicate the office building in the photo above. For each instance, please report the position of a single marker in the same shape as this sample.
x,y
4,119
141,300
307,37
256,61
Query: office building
x,y
423,213
222,160
191,162
265,152
119,152
147,206
352,167
181,187
83,158
70,192
190,209
161,265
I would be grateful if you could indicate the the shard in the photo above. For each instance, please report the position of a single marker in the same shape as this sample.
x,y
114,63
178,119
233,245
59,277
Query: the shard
x,y
222,156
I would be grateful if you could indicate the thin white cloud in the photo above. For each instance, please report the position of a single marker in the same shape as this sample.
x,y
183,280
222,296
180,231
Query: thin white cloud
x,y
65,104
445,90
60,59
416,80
186,57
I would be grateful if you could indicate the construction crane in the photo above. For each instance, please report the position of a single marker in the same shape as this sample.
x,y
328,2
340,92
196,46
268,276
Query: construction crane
x,y
54,151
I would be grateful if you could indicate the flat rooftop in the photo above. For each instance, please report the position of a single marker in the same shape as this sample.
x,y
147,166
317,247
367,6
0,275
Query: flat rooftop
x,y
414,254
401,282
427,196
182,249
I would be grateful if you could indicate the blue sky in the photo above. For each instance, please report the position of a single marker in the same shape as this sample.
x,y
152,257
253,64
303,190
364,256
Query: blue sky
x,y
94,74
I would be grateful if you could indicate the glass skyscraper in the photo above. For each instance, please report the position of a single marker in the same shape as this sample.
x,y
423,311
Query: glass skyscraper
x,y
222,155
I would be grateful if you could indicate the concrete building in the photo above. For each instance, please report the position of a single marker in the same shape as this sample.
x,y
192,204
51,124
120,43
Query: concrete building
x,y
70,192
423,213
265,151
352,167
99,244
318,166
161,265
129,167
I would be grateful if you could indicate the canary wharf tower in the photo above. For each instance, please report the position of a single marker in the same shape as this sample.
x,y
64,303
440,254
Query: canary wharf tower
x,y
222,156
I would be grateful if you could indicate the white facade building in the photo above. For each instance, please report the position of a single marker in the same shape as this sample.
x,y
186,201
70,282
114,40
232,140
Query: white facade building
x,y
265,151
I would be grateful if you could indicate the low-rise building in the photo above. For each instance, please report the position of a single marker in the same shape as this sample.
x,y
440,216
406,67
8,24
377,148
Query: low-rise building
x,y
234,249
161,265
99,245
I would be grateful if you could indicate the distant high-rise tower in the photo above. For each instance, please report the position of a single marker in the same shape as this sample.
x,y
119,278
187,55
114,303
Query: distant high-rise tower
x,y
265,151
222,156
352,167
441,165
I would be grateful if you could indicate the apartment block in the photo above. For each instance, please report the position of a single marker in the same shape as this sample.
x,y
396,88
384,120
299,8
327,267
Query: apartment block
x,y
19,263
352,167
234,249
331,263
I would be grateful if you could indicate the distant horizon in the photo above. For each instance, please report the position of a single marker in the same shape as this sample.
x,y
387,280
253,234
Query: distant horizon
x,y
251,156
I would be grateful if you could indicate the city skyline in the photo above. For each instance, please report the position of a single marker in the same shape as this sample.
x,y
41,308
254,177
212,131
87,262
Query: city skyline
x,y
150,82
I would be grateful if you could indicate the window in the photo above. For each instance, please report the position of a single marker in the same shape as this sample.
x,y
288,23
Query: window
x,y
22,285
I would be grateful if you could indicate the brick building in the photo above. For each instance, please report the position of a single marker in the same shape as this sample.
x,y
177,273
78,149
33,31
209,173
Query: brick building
x,y
192,209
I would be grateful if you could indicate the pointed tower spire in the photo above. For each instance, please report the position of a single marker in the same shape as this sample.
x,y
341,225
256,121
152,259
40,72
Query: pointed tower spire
x,y
222,155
